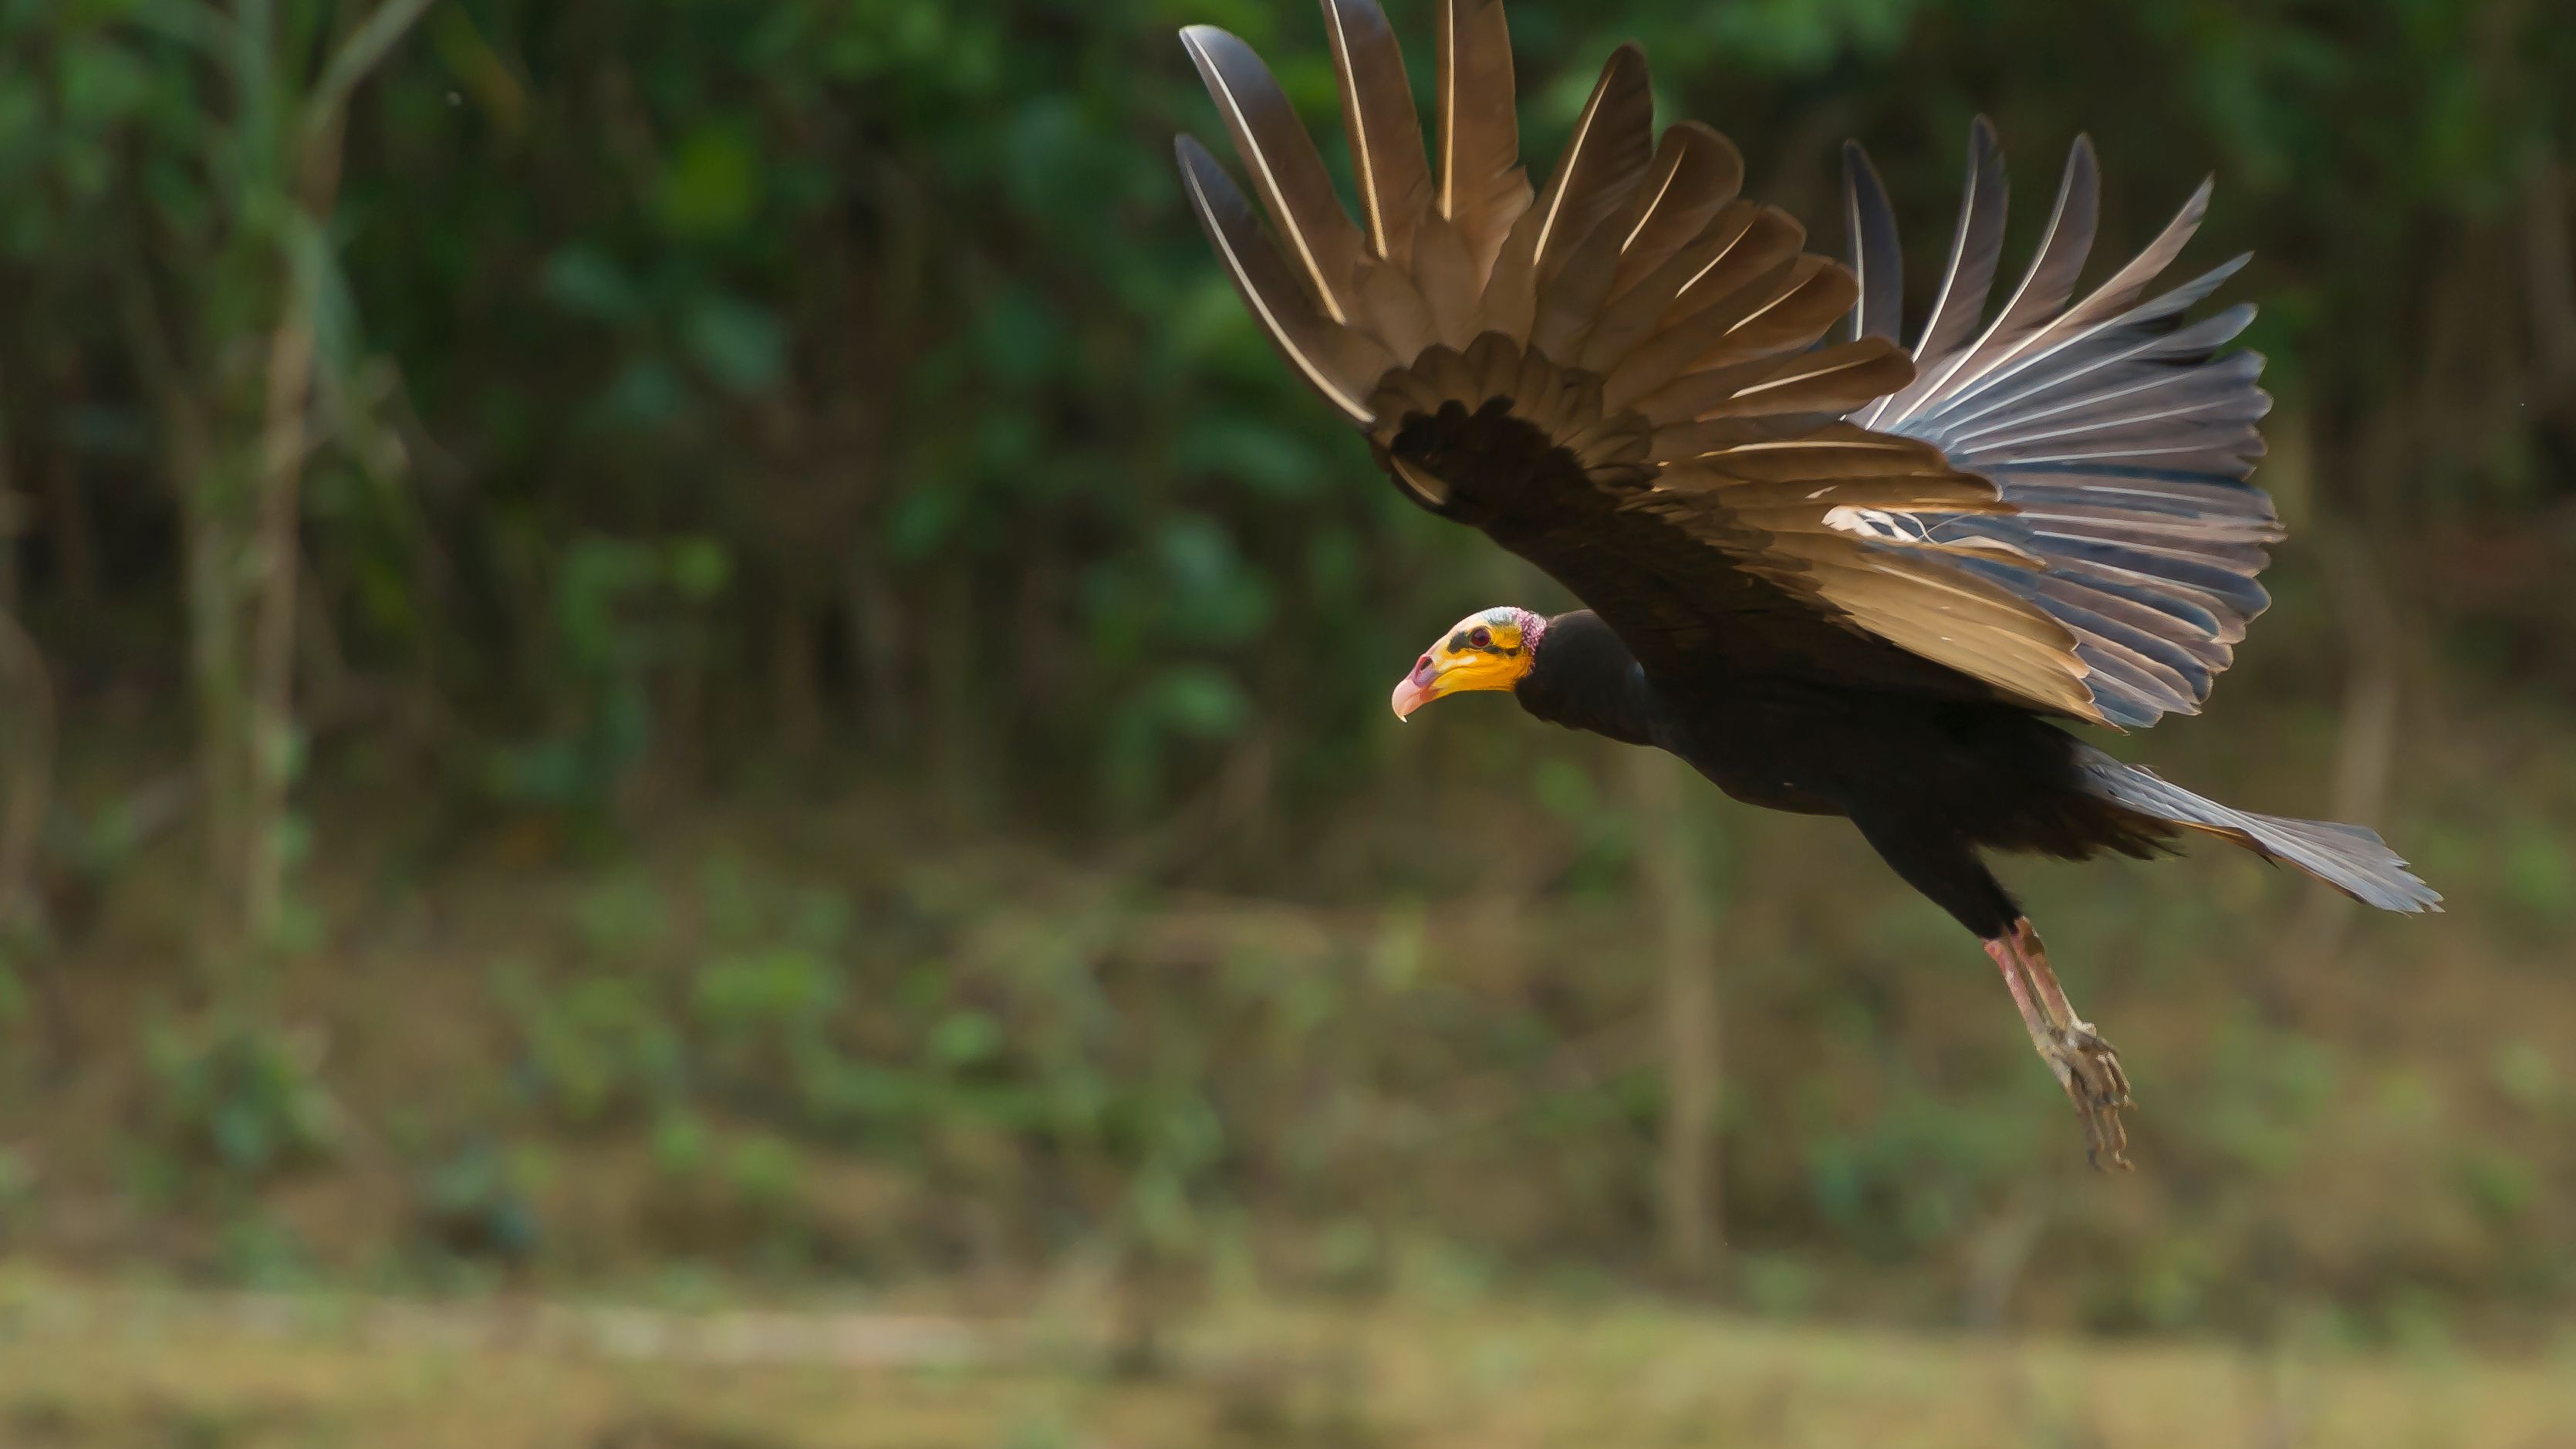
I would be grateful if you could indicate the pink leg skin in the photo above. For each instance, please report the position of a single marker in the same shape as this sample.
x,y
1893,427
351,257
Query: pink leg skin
x,y
2084,1064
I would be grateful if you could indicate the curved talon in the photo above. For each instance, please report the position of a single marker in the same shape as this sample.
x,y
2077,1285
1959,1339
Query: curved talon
x,y
2089,1069
2086,1066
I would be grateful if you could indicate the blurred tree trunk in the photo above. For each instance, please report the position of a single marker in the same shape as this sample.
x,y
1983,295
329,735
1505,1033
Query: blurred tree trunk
x,y
2549,263
240,512
876,647
67,512
2366,745
237,393
28,728
275,545
2296,470
888,315
27,725
13,523
959,693
1672,868
798,699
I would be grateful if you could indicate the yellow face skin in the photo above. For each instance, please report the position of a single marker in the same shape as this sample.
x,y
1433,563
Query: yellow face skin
x,y
1484,651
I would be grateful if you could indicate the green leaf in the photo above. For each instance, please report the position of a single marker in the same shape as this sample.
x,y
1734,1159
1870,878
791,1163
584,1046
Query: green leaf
x,y
1201,703
965,1038
700,567
645,393
741,346
1268,459
923,518
102,83
711,188
584,280
1019,338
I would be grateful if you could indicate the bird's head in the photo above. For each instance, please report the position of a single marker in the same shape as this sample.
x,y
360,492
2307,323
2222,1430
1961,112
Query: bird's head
x,y
1490,650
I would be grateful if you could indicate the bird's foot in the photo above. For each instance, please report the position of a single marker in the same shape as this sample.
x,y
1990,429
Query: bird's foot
x,y
2083,1063
2089,1070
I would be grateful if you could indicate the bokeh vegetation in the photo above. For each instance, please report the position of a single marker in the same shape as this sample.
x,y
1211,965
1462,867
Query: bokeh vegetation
x,y
657,637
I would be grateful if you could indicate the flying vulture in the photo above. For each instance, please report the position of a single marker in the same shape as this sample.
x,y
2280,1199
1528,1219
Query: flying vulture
x,y
1842,575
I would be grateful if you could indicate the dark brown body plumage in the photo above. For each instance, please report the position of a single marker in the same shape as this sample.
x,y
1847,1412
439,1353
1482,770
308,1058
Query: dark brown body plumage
x,y
1929,781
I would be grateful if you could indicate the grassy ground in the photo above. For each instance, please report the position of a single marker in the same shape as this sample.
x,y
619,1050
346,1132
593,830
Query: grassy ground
x,y
84,1366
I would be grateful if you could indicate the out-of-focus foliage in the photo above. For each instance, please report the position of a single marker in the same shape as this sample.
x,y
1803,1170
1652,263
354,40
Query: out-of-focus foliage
x,y
862,354
727,400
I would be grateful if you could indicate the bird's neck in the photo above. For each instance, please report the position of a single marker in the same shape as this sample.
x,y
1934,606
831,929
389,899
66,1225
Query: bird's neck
x,y
1585,679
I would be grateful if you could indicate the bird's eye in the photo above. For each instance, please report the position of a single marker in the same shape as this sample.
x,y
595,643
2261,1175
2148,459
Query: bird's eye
x,y
1483,638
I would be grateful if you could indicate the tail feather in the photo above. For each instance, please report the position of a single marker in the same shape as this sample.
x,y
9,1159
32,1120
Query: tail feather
x,y
2351,858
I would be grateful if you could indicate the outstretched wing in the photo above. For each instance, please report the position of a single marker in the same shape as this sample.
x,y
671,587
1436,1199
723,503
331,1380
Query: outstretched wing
x,y
1618,376
2118,431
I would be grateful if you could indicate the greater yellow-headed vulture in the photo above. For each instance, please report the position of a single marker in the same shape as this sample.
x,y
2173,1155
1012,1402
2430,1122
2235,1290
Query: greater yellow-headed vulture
x,y
1842,576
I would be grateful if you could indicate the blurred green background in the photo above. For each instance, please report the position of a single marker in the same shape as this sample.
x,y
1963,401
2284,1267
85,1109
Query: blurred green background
x,y
684,653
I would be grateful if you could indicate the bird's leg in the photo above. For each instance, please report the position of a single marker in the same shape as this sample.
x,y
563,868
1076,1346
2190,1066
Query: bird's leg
x,y
2084,1064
